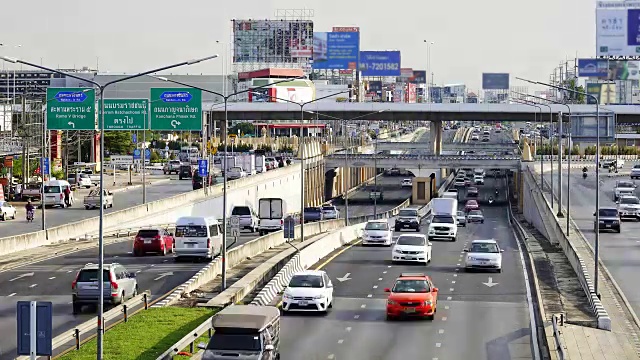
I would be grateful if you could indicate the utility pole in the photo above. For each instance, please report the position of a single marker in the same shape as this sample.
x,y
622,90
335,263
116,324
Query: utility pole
x,y
25,145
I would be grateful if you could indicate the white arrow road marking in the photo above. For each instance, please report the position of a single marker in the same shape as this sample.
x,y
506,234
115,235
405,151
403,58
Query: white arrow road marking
x,y
164,275
21,276
344,278
490,283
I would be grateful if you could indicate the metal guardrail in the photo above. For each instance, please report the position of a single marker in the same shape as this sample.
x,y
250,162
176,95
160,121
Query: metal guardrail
x,y
423,157
72,339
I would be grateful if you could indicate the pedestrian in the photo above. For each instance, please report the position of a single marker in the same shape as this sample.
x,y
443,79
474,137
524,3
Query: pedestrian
x,y
67,196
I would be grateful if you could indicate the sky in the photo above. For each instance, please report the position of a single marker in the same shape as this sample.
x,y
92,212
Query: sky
x,y
524,38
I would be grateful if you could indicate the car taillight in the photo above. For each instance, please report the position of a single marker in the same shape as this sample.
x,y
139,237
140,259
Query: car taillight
x,y
208,242
114,285
75,282
281,222
138,238
157,237
61,196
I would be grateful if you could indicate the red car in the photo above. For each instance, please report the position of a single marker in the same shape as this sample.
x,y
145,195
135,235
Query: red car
x,y
413,295
153,240
471,205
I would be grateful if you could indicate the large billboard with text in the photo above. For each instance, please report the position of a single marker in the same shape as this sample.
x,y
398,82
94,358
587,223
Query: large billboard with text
x,y
618,28
609,69
336,50
495,81
380,63
272,41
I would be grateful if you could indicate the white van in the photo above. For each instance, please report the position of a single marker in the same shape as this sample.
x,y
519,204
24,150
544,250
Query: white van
x,y
54,193
197,236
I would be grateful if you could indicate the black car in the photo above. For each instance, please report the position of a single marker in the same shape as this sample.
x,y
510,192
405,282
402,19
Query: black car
x,y
198,181
407,219
312,214
185,172
609,220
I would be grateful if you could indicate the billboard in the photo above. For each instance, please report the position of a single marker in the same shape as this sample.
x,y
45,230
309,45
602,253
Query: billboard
x,y
609,69
411,95
495,81
584,127
272,41
397,92
345,29
380,63
605,93
406,74
617,28
419,77
375,86
336,50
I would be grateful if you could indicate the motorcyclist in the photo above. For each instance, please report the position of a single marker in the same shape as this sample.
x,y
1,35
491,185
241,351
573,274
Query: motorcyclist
x,y
30,210
490,199
584,172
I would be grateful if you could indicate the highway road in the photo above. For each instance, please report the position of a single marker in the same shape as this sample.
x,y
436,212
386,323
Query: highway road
x,y
50,280
121,200
619,252
473,321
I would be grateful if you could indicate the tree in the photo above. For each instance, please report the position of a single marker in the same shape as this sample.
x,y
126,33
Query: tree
x,y
574,98
117,142
243,128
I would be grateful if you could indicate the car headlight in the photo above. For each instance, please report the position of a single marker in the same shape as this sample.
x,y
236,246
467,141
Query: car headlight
x,y
391,302
601,221
287,296
614,222
428,303
318,297
470,258
419,252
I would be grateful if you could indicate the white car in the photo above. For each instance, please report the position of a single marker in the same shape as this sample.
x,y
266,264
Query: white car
x,y
7,211
459,181
377,232
462,218
635,172
412,248
407,183
475,137
83,181
483,254
478,179
629,207
236,172
309,290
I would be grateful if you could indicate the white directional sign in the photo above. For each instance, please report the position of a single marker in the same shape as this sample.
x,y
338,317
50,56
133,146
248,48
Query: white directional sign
x,y
234,221
121,159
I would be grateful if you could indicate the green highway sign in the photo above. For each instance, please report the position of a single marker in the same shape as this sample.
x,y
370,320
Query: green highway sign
x,y
71,109
176,109
125,114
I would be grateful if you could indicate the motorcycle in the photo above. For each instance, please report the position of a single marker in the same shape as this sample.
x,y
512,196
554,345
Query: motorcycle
x,y
584,175
30,215
490,200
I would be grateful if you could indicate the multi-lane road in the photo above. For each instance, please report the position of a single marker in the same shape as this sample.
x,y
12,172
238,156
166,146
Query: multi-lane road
x,y
480,315
619,252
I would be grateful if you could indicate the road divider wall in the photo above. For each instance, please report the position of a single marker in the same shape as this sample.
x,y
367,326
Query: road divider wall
x,y
241,191
539,213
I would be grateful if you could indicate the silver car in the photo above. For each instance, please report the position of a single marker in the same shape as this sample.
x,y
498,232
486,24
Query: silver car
x,y
247,217
462,219
475,216
330,212
119,286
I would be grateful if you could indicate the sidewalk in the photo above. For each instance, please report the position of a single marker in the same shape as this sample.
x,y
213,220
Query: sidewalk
x,y
590,343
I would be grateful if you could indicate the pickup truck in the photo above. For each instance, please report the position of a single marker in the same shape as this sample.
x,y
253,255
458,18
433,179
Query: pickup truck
x,y
312,214
95,177
236,172
92,201
623,188
32,191
173,166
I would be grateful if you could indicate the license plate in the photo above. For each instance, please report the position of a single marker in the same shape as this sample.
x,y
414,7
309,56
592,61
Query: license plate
x,y
190,246
147,241
411,258
483,263
90,287
406,225
303,303
409,310
607,226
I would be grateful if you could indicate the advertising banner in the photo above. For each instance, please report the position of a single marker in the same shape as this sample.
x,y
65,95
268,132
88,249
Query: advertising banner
x,y
345,29
380,63
605,93
584,127
375,86
406,73
435,93
289,40
495,81
336,50
609,69
419,77
397,92
618,28
411,94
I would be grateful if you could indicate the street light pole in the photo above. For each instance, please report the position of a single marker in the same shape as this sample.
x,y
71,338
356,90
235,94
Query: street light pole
x,y
597,211
224,159
101,88
428,43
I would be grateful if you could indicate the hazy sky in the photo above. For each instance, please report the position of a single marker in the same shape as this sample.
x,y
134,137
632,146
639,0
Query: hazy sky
x,y
524,38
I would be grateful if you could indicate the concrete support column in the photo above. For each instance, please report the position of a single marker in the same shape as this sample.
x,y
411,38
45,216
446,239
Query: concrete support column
x,y
435,134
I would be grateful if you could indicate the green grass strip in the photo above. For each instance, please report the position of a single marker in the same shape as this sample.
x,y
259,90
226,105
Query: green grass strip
x,y
146,335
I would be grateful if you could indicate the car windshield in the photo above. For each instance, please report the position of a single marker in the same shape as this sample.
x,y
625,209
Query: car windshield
x,y
94,192
90,275
473,189
3,203
52,189
222,341
308,281
328,208
630,200
191,231
407,213
411,240
636,166
475,212
411,286
471,203
241,210
312,210
608,212
625,184
442,219
377,226
484,248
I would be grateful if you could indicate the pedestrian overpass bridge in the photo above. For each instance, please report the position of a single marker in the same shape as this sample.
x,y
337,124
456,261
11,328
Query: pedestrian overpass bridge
x,y
402,111
410,161
389,146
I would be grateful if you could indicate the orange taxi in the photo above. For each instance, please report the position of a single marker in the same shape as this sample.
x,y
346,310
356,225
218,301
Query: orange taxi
x,y
412,295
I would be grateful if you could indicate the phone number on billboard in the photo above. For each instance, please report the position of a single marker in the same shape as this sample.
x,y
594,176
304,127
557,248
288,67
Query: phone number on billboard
x,y
382,66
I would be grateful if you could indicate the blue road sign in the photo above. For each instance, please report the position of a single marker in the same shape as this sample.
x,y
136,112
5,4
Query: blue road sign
x,y
147,154
176,96
203,167
44,328
136,154
44,166
134,138
289,227
70,96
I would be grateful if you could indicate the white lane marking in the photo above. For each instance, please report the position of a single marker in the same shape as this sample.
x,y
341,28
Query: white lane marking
x,y
434,359
12,294
363,306
441,331
356,316
438,345
450,289
444,318
369,295
130,252
375,286
457,269
348,328
388,266
340,341
33,285
448,297
139,271
331,356
152,265
453,282
51,278
456,265
384,272
446,307
69,271
165,260
379,279
462,252
455,275
115,257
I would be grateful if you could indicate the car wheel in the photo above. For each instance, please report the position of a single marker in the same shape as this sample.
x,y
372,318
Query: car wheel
x,y
76,308
499,270
482,222
3,217
391,318
14,216
618,230
417,229
431,317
